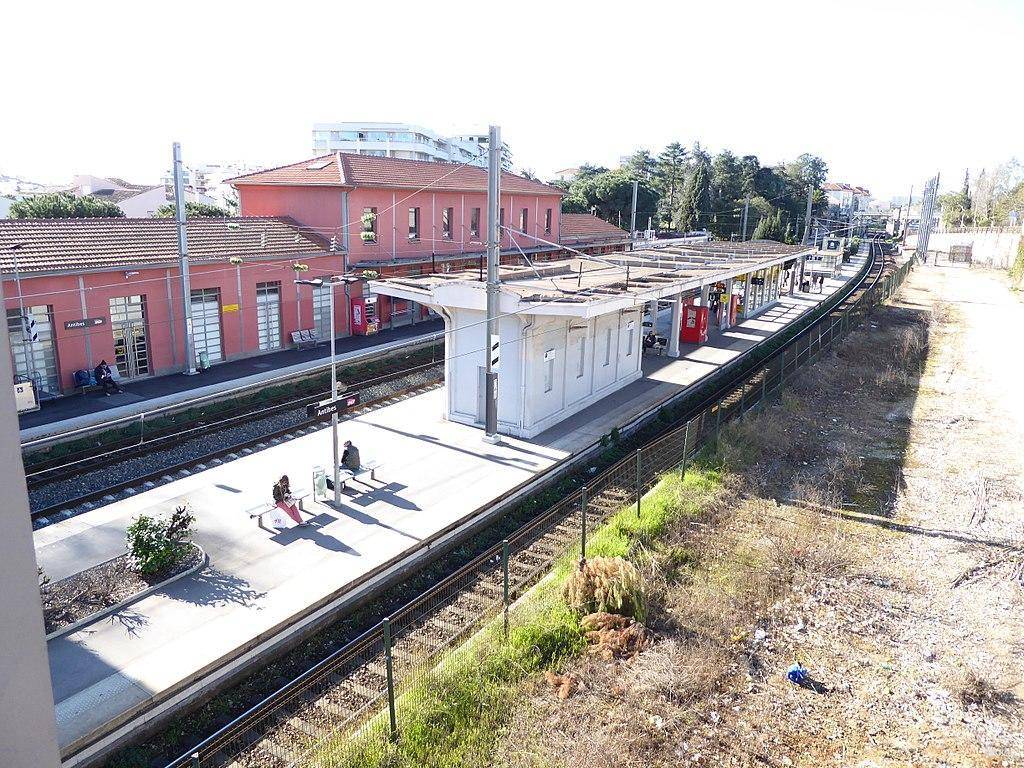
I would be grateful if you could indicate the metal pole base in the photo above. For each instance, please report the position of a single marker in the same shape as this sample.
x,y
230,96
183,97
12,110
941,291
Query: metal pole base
x,y
492,439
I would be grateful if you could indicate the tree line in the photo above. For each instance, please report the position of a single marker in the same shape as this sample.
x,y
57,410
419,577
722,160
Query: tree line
x,y
989,200
68,205
685,190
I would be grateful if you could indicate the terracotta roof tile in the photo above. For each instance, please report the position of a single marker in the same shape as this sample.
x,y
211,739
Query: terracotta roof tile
x,y
585,227
63,245
348,170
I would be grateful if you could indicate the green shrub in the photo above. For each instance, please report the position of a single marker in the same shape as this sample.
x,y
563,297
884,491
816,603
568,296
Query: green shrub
x,y
155,544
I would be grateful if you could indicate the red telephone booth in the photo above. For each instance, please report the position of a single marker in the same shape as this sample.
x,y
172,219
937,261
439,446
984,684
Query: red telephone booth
x,y
695,325
364,316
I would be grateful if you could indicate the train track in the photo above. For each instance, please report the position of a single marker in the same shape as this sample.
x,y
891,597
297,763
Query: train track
x,y
339,692
381,392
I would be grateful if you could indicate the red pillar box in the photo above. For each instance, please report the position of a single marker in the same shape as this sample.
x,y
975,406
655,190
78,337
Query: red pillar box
x,y
695,325
734,310
364,315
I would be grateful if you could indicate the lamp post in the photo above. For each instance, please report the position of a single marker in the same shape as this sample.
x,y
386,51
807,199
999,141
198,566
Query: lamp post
x,y
319,282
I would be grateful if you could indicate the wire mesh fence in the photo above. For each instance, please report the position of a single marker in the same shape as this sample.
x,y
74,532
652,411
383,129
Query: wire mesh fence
x,y
347,710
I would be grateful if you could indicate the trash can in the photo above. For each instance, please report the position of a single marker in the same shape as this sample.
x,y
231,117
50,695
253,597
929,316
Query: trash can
x,y
204,360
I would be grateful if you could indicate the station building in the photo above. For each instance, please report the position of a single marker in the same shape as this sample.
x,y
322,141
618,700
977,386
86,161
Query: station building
x,y
571,331
78,291
81,290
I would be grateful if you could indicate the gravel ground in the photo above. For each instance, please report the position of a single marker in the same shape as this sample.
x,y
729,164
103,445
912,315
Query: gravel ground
x,y
141,466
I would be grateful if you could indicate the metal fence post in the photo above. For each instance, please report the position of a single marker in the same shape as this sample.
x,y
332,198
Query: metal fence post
x,y
195,760
764,387
639,491
142,428
389,667
718,419
583,527
504,576
686,454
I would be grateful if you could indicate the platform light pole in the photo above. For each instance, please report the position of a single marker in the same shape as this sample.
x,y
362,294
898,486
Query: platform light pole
x,y
493,254
186,289
807,216
319,282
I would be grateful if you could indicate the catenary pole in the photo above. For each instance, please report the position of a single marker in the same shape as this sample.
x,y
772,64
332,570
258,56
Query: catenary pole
x,y
746,210
906,224
632,215
186,290
493,253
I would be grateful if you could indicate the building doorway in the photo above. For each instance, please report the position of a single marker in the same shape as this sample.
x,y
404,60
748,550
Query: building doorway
x,y
322,311
131,344
206,333
268,316
33,349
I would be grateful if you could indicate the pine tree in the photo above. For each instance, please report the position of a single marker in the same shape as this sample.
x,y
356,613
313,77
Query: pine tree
x,y
670,175
696,197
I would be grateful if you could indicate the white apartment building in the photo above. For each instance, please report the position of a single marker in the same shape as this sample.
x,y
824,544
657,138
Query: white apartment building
x,y
411,142
207,183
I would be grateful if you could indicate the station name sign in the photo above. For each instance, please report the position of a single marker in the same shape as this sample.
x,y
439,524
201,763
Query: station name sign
x,y
326,408
87,322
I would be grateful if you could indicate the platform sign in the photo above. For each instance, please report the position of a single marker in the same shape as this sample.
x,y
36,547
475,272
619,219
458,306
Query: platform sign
x,y
326,408
86,322
494,352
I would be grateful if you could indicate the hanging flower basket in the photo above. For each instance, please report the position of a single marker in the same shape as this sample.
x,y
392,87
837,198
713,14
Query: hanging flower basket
x,y
236,260
300,267
369,274
368,237
368,218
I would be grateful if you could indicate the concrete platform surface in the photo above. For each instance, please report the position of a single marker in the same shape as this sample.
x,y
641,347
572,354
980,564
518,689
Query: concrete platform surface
x,y
434,472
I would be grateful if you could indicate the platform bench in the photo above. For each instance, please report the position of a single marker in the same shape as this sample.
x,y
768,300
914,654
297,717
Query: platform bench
x,y
259,511
305,338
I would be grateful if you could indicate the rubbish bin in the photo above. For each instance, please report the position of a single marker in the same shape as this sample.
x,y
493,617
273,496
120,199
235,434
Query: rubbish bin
x,y
204,360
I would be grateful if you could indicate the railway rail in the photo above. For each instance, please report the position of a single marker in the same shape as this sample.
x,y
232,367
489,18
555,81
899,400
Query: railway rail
x,y
118,461
342,691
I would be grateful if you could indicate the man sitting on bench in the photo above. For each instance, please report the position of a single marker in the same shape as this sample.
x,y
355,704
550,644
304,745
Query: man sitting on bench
x,y
105,379
349,461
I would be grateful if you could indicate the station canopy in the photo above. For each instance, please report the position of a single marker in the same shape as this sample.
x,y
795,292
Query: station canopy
x,y
596,285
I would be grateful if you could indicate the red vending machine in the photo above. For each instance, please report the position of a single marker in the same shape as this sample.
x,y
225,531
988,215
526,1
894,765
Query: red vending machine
x,y
695,325
364,316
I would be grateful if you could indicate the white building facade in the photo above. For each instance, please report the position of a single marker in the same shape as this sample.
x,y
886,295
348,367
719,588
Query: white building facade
x,y
571,332
410,142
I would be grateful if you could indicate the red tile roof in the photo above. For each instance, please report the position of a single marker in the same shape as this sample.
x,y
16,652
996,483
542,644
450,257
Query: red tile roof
x,y
348,170
82,245
577,228
838,186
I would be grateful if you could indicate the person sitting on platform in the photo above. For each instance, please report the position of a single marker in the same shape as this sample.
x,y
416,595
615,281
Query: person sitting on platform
x,y
349,461
106,379
284,501
650,340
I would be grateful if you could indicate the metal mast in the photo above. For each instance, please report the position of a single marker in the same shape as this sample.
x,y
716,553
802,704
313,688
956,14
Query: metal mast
x,y
493,253
186,290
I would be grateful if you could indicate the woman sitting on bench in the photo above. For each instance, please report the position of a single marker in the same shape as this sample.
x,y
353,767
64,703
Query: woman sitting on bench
x,y
284,501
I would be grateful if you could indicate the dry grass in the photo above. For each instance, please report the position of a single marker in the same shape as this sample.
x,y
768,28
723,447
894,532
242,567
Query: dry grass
x,y
978,691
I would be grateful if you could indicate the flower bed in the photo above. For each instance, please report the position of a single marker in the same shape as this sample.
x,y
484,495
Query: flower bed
x,y
94,590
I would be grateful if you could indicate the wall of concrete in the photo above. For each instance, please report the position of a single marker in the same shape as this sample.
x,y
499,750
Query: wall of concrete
x,y
28,734
537,351
992,246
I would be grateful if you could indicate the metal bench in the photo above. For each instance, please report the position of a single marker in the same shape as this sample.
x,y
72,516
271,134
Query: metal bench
x,y
345,475
305,338
259,511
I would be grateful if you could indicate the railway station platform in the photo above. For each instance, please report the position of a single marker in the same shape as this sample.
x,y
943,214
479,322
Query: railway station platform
x,y
75,411
260,585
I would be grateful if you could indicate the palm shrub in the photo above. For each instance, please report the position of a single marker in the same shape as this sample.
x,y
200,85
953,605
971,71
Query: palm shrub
x,y
155,544
606,584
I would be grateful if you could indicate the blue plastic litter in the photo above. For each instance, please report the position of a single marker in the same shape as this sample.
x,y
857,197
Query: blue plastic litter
x,y
796,674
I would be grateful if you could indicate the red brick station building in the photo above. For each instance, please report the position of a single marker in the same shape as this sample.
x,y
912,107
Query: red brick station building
x,y
80,290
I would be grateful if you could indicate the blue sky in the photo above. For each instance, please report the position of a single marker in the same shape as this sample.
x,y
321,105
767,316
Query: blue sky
x,y
886,92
